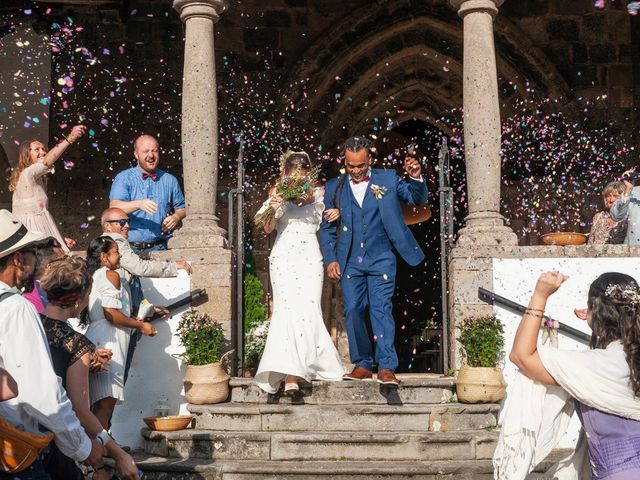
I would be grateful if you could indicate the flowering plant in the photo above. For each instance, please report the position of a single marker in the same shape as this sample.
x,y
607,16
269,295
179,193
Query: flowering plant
x,y
201,336
254,344
378,191
482,339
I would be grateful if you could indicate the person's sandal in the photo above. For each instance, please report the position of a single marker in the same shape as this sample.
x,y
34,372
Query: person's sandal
x,y
291,388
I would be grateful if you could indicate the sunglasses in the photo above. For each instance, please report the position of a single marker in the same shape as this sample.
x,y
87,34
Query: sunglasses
x,y
121,221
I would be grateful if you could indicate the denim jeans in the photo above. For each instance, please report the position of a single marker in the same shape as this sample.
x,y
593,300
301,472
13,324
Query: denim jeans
x,y
34,472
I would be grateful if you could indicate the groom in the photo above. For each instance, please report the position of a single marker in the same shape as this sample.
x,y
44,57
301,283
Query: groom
x,y
359,251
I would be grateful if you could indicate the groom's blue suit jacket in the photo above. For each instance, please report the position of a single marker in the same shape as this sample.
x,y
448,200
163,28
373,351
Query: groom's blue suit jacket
x,y
384,214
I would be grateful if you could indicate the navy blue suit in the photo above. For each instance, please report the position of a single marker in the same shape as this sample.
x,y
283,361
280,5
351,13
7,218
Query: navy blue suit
x,y
363,243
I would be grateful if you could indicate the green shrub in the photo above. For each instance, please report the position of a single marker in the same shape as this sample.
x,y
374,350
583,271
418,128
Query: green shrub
x,y
256,324
255,320
201,336
255,310
482,339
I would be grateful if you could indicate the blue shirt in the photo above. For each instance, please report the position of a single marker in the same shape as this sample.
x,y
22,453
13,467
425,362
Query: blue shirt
x,y
164,190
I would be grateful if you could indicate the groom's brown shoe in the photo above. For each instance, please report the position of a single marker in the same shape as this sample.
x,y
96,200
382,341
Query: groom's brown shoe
x,y
387,377
358,373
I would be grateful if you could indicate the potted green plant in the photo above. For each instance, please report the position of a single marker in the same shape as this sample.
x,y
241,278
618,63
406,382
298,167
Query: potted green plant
x,y
480,379
202,337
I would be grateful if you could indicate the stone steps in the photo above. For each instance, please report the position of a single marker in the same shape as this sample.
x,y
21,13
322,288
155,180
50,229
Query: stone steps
x,y
352,446
336,431
358,418
413,390
159,468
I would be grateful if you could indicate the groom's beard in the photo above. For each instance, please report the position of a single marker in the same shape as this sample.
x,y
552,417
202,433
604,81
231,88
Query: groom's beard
x,y
28,283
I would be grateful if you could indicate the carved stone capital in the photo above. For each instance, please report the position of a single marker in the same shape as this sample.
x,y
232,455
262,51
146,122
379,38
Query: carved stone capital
x,y
200,8
465,7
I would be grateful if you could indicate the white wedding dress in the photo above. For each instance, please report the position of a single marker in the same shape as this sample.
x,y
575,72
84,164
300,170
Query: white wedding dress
x,y
298,342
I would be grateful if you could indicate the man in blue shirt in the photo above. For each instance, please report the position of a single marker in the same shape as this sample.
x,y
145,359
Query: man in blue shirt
x,y
151,197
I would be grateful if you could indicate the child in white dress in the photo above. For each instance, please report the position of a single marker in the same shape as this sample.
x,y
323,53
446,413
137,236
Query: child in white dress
x,y
110,325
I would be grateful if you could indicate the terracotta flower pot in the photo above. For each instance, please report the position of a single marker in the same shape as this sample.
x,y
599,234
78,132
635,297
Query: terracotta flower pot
x,y
480,385
205,384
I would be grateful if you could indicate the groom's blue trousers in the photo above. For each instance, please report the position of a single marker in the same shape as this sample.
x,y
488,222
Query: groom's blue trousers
x,y
368,284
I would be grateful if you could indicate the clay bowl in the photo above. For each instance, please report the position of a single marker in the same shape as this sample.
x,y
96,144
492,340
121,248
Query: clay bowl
x,y
564,238
168,424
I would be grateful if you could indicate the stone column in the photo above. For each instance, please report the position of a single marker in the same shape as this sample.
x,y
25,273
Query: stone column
x,y
201,240
199,124
484,225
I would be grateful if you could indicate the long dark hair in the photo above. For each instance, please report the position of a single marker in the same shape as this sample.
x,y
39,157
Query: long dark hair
x,y
97,246
614,302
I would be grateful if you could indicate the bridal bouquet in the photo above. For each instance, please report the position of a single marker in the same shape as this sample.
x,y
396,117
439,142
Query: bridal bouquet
x,y
297,187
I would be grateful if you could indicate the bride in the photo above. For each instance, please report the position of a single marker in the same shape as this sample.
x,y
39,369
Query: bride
x,y
298,345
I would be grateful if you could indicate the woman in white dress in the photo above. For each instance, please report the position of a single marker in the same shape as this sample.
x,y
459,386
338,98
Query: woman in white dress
x,y
110,325
28,184
298,344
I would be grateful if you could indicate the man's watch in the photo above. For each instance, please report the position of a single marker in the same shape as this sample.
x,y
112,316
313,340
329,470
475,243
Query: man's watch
x,y
104,437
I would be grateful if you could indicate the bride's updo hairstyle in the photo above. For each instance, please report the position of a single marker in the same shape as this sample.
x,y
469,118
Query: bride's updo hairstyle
x,y
292,161
614,302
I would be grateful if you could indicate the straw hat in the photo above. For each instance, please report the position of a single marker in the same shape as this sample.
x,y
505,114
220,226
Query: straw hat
x,y
14,235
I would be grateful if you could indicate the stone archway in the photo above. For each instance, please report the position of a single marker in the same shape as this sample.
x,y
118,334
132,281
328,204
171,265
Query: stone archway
x,y
401,62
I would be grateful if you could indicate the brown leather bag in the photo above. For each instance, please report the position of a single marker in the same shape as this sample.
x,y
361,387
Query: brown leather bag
x,y
19,449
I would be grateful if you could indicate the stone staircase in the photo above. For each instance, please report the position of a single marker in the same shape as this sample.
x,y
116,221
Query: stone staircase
x,y
336,431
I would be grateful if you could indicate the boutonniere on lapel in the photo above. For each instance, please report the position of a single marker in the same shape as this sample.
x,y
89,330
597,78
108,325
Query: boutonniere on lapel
x,y
378,191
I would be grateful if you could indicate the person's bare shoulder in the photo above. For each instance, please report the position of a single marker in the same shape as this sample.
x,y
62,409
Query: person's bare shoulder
x,y
113,278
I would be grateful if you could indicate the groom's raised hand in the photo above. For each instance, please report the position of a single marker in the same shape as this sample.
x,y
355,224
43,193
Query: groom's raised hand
x,y
333,271
412,167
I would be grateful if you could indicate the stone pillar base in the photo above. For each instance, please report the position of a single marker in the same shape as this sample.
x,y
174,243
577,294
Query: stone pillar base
x,y
199,233
485,235
485,228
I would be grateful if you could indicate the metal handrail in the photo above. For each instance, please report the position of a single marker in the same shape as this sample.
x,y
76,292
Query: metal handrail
x,y
513,307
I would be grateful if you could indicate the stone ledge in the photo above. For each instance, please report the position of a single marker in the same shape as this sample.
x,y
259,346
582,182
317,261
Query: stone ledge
x,y
411,391
544,251
158,468
467,445
359,418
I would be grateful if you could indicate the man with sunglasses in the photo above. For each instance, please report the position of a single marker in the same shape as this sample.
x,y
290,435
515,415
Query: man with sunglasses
x,y
115,224
40,399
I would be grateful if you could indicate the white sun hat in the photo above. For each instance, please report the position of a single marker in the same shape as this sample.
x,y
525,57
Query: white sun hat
x,y
14,235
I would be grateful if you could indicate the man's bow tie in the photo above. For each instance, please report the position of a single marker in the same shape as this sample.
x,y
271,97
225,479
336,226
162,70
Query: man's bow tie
x,y
364,179
152,176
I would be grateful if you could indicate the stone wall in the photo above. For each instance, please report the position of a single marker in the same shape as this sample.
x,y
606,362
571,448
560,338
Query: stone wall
x,y
591,49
